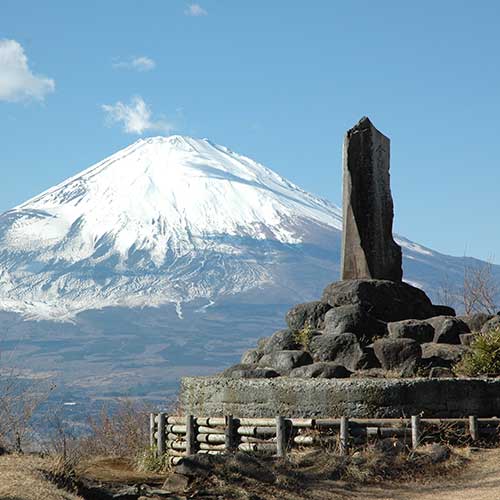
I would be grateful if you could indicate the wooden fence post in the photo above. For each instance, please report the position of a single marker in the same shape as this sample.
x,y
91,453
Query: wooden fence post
x,y
230,431
473,428
415,431
190,435
281,437
160,435
152,427
344,435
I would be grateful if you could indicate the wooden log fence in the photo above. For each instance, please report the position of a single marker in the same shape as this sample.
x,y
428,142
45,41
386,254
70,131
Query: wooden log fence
x,y
177,437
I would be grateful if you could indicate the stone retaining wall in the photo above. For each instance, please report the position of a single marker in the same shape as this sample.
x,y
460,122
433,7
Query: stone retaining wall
x,y
355,398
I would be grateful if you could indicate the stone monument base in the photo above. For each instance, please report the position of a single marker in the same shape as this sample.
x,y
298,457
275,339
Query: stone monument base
x,y
354,398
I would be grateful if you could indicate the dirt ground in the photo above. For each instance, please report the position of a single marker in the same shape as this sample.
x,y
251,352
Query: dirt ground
x,y
480,480
21,479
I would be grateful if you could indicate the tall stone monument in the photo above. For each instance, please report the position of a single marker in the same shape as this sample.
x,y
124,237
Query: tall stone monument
x,y
368,248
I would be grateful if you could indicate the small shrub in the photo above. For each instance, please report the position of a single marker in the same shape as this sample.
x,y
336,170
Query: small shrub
x,y
484,356
20,398
150,461
303,336
123,432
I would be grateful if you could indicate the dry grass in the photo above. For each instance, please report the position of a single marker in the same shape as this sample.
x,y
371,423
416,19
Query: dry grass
x,y
122,432
20,398
307,474
23,477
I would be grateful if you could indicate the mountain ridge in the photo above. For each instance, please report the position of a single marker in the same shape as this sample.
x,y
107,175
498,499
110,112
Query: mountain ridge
x,y
172,220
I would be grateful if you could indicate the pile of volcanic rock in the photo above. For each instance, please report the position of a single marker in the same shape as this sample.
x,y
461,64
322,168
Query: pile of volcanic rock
x,y
365,328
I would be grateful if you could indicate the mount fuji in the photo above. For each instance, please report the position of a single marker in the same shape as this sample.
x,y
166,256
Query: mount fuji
x,y
173,220
171,256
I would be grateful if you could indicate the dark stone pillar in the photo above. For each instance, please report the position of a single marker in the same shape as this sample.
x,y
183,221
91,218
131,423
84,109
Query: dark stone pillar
x,y
368,248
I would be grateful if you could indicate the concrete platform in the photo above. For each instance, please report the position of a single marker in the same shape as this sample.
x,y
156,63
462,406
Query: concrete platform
x,y
356,398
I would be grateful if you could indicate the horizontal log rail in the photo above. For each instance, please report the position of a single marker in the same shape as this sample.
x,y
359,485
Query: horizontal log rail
x,y
178,436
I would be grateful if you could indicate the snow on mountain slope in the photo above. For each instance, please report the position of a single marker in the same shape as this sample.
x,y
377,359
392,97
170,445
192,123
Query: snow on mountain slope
x,y
173,219
138,227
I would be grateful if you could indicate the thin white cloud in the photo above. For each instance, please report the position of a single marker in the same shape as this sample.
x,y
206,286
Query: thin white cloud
x,y
135,117
195,10
141,63
17,82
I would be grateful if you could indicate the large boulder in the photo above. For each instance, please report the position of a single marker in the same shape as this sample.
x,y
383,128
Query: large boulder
x,y
492,324
440,372
310,314
427,364
249,371
467,338
447,329
386,300
251,357
369,360
285,361
401,355
447,352
354,318
443,310
321,370
476,321
370,373
282,340
261,343
343,349
415,329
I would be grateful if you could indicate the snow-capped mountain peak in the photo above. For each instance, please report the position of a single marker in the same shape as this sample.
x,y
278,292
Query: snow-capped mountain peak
x,y
160,201
168,188
174,220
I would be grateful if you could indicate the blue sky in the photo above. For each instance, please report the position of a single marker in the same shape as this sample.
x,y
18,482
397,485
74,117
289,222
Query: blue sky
x,y
280,81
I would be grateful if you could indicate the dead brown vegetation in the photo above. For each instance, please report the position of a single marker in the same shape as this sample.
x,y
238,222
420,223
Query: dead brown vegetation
x,y
304,474
480,290
23,477
20,398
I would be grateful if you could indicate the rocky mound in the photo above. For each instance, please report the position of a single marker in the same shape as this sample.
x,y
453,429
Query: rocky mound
x,y
366,328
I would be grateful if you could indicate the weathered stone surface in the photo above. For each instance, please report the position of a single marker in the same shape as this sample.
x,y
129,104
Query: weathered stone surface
x,y
280,341
467,338
321,370
448,352
426,364
492,324
342,349
370,373
310,314
261,343
196,466
368,248
438,453
476,321
444,310
440,372
251,357
242,464
358,398
415,329
354,319
284,361
385,300
176,483
249,371
369,360
397,354
447,329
